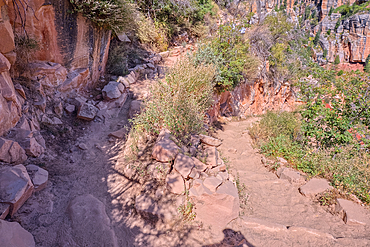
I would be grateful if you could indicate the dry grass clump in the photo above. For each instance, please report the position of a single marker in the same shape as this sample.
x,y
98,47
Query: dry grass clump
x,y
152,34
180,101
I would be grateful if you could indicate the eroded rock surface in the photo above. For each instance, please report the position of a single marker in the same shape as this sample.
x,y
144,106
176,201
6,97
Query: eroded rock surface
x,y
13,235
91,224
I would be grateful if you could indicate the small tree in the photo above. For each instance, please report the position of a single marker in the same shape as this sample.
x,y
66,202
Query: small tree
x,y
336,60
325,53
331,11
367,64
317,37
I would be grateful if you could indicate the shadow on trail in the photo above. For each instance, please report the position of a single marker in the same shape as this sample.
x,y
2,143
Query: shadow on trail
x,y
232,238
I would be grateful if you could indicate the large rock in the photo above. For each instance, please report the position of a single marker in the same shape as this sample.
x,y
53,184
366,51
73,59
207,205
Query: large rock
x,y
218,209
113,90
175,183
38,176
183,164
32,147
87,111
4,210
15,186
353,214
210,140
13,235
91,224
165,149
212,156
49,74
11,152
6,37
314,187
10,106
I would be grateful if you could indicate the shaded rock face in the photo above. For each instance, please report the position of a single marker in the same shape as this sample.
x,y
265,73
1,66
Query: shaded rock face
x,y
255,98
10,106
65,38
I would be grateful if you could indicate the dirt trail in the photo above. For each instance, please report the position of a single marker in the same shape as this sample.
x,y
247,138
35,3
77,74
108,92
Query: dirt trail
x,y
276,214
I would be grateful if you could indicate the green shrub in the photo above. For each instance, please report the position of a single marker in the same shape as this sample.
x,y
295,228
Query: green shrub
x,y
331,10
325,53
117,15
153,34
367,64
317,37
337,60
179,102
229,52
340,72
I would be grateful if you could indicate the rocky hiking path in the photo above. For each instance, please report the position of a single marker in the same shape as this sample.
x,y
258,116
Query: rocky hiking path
x,y
92,200
275,212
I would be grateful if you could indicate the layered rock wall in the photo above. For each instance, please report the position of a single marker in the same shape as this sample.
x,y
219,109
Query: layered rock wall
x,y
254,99
63,37
350,41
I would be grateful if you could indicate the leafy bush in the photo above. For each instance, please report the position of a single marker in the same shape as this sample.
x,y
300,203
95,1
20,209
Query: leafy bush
x,y
229,52
116,15
179,102
317,37
153,34
325,53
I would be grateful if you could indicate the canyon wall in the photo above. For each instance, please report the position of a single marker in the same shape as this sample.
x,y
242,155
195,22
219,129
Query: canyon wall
x,y
254,98
350,41
70,57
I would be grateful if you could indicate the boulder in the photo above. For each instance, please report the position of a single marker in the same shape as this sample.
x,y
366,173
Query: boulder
x,y
120,134
69,108
212,183
198,188
7,37
11,152
210,140
199,165
13,235
314,187
165,149
175,183
20,90
123,38
49,74
87,112
113,90
135,108
15,187
353,214
32,147
224,202
91,224
38,176
183,164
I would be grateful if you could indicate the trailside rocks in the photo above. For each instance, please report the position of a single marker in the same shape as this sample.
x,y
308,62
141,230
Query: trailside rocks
x,y
13,235
175,183
224,202
113,90
87,111
183,164
289,174
38,176
11,152
210,140
15,186
91,224
165,149
314,187
353,214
